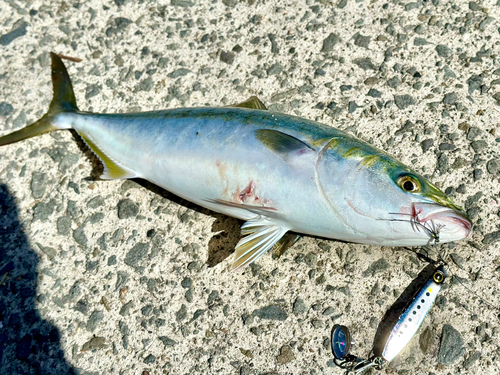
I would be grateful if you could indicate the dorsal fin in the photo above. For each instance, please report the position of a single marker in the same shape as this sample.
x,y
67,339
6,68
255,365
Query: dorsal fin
x,y
280,142
253,102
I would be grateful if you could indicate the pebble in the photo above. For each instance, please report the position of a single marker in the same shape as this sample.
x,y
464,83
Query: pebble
x,y
94,343
146,85
329,42
122,22
182,3
286,355
227,57
491,238
371,81
473,133
167,341
69,160
136,254
64,225
95,202
374,93
179,73
394,82
443,50
328,311
376,267
127,209
352,106
95,318
448,73
6,109
91,91
272,312
458,260
450,98
274,69
181,314
443,163
473,358
362,41
451,347
425,340
365,63
112,261
479,146
485,23
446,147
299,306
17,32
427,144
420,41
493,167
404,101
475,82
38,184
79,235
125,309
43,210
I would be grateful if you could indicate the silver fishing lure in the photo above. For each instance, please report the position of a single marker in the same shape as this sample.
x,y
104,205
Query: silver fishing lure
x,y
403,331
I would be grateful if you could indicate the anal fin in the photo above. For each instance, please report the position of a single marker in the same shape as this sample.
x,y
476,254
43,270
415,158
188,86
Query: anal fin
x,y
260,235
112,170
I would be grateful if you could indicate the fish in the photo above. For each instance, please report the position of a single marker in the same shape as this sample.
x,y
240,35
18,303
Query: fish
x,y
283,175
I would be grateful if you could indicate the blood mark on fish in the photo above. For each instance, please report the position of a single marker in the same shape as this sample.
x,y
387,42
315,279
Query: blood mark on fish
x,y
248,192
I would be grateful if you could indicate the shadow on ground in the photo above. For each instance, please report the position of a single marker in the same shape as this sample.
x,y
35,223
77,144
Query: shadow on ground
x,y
28,343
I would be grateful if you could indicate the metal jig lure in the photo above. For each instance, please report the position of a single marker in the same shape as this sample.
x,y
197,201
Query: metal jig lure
x,y
402,332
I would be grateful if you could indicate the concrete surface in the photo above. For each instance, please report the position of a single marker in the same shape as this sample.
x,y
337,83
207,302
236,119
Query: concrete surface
x,y
113,277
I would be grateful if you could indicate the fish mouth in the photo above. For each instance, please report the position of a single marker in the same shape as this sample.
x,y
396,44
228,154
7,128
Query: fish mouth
x,y
443,224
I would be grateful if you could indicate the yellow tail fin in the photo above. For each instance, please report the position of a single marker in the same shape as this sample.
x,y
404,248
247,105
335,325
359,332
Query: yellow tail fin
x,y
63,100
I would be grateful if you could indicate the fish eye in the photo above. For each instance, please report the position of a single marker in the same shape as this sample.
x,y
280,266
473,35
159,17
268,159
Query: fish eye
x,y
409,183
438,277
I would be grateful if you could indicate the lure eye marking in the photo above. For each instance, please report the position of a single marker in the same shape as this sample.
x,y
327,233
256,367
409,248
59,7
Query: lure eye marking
x,y
438,277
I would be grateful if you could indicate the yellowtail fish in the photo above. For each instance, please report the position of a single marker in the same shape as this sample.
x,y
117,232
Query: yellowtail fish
x,y
279,173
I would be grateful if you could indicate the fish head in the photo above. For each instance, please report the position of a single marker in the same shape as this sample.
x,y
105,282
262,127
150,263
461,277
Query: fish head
x,y
413,211
430,209
381,201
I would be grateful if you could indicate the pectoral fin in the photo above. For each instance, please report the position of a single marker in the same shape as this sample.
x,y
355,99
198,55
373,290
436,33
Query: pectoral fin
x,y
282,143
260,235
253,103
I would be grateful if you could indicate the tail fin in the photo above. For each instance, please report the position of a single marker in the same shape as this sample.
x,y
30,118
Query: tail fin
x,y
63,100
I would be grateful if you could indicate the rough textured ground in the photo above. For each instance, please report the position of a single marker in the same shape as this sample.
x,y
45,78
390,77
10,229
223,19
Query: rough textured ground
x,y
111,277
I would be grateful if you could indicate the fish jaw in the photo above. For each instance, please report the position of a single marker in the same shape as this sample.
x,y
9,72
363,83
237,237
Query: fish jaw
x,y
451,224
